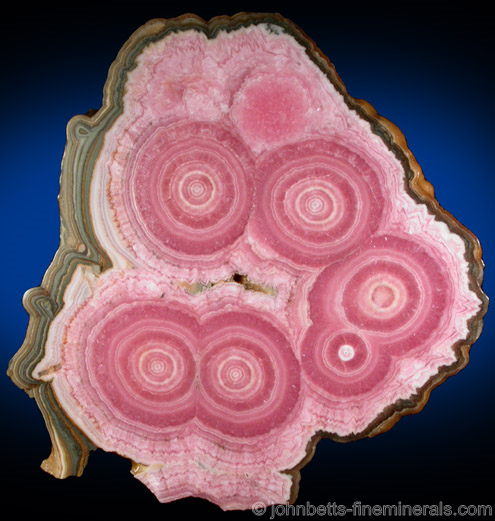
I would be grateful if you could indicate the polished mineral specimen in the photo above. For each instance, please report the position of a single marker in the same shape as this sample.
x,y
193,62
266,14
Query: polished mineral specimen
x,y
250,260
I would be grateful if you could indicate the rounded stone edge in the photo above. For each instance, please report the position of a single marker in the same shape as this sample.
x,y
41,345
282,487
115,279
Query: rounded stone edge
x,y
69,457
423,192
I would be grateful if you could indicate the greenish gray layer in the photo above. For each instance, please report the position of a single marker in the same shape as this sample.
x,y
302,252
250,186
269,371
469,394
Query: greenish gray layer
x,y
78,243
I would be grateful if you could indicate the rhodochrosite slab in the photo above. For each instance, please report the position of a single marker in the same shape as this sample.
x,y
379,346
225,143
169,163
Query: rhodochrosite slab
x,y
250,260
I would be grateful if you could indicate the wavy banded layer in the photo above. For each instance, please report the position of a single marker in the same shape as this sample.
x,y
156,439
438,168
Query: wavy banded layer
x,y
250,260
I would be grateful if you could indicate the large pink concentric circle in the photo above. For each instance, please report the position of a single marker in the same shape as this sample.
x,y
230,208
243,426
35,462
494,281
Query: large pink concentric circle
x,y
140,362
316,200
393,290
188,189
248,375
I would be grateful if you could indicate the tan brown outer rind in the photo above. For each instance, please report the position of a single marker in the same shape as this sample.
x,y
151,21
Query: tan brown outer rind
x,y
422,191
78,243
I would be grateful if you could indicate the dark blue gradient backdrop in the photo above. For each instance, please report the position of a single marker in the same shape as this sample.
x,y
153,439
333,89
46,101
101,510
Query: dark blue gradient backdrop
x,y
426,66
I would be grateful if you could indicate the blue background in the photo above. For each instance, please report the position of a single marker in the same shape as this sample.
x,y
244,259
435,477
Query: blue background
x,y
426,66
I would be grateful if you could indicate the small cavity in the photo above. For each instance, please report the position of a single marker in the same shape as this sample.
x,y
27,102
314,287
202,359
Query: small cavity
x,y
237,278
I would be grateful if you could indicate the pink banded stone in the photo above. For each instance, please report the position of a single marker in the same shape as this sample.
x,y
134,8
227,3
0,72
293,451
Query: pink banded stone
x,y
257,262
248,374
315,201
187,189
152,361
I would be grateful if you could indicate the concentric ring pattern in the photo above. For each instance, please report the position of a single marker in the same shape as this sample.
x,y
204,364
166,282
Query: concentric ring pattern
x,y
386,300
145,372
195,188
316,200
249,375
154,365
188,189
257,262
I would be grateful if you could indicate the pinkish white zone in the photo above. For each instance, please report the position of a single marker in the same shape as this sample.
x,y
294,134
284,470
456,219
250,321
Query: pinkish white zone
x,y
237,155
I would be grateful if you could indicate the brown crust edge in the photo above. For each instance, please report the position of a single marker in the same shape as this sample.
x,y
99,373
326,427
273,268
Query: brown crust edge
x,y
421,190
418,187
